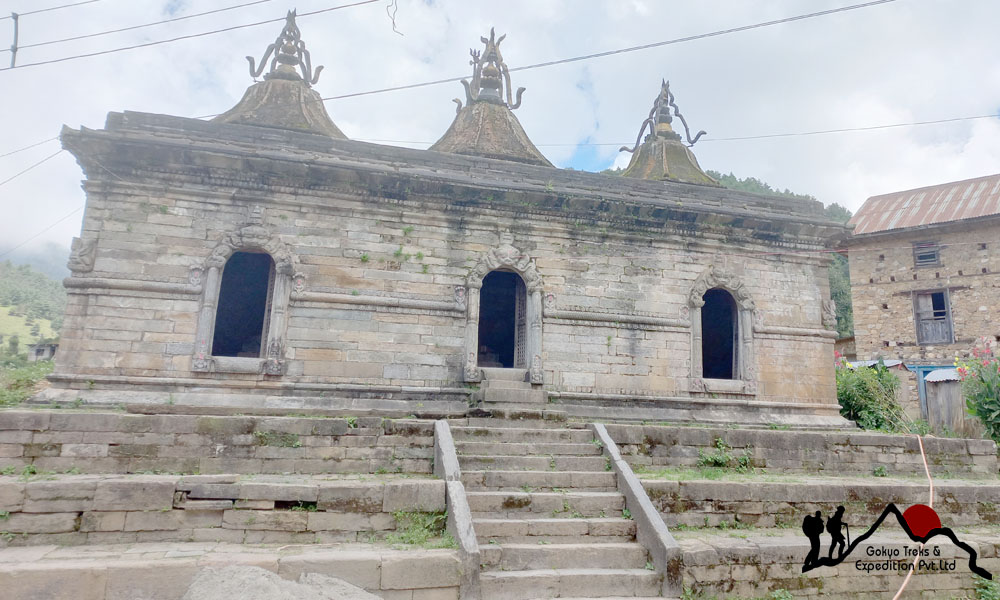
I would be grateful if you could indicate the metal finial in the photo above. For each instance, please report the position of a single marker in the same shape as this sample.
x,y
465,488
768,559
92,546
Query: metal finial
x,y
660,113
490,76
290,51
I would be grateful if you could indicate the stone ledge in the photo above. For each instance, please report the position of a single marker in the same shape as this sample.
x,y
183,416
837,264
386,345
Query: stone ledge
x,y
162,571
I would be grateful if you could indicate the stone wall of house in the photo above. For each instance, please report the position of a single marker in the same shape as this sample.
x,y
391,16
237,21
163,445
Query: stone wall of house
x,y
379,289
884,277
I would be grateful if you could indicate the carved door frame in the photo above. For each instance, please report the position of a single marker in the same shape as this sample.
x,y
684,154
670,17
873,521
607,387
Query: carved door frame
x,y
505,257
745,372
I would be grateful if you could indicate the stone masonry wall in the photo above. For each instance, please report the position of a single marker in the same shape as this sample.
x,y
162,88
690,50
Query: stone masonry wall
x,y
114,509
91,442
648,446
380,264
883,277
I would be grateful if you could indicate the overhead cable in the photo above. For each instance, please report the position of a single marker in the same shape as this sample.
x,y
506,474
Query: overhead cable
x,y
130,28
16,175
41,10
185,37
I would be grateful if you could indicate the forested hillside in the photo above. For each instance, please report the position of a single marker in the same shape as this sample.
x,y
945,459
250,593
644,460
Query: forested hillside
x,y
29,302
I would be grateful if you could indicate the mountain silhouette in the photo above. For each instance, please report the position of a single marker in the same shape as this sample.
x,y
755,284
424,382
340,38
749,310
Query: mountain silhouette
x,y
891,509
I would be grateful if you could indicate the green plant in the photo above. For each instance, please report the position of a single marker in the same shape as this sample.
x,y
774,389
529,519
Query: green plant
x,y
4,515
868,396
364,257
8,470
408,230
18,384
880,471
980,375
301,506
352,422
626,513
424,529
987,589
719,458
355,293
780,595
423,269
420,256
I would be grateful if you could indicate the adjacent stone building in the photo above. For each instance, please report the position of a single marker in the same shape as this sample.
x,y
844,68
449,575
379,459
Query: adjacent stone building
x,y
925,269
263,261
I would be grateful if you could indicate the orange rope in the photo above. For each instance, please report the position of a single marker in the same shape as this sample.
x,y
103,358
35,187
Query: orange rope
x,y
930,503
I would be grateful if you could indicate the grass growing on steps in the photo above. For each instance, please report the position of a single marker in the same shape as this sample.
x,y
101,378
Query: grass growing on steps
x,y
421,529
782,594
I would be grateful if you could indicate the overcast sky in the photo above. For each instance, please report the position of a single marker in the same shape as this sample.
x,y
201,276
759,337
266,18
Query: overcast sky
x,y
905,61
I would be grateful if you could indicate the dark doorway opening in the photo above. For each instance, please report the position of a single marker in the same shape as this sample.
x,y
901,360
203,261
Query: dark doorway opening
x,y
501,320
718,335
244,298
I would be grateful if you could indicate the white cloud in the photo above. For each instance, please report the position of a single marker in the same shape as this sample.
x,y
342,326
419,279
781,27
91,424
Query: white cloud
x,y
913,60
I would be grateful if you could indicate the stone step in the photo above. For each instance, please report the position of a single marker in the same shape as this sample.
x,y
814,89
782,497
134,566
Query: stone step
x,y
517,434
522,557
526,413
540,480
554,530
497,421
504,384
492,373
529,448
563,583
475,462
568,504
525,398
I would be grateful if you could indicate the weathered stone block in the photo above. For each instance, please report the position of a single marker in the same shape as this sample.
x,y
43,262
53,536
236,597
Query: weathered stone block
x,y
11,495
265,519
420,569
59,496
152,520
360,568
102,521
54,522
351,496
145,493
414,495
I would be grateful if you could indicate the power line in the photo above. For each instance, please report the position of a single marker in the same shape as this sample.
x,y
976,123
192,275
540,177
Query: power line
x,y
629,49
185,37
29,147
16,175
41,10
5,253
731,139
133,27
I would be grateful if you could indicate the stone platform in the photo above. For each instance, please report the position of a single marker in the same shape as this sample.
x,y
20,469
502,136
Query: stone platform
x,y
163,571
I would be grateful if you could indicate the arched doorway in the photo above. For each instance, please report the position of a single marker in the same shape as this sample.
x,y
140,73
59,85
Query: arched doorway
x,y
502,321
241,317
720,335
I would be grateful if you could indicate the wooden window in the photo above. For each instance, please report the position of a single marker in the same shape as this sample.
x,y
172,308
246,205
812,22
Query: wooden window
x,y
926,254
933,317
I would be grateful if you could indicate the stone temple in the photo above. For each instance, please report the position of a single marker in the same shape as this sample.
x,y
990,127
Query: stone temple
x,y
261,261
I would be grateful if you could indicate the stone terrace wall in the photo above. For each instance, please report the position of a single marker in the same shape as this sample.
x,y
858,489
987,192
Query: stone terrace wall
x,y
104,442
780,504
751,568
883,275
94,509
805,452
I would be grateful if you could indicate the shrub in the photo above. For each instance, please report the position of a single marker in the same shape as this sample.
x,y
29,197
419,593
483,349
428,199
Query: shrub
x,y
18,384
868,396
980,375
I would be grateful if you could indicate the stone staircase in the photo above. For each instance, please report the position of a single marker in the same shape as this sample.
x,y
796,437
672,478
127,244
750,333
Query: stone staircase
x,y
509,388
547,513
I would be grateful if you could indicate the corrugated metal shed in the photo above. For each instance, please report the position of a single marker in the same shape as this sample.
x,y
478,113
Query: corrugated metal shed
x,y
943,375
929,205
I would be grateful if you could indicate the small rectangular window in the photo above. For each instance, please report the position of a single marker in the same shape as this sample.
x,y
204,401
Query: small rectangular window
x,y
926,254
933,317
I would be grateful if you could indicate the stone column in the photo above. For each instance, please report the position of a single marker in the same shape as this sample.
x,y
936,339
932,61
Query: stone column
x,y
697,371
206,321
534,348
471,370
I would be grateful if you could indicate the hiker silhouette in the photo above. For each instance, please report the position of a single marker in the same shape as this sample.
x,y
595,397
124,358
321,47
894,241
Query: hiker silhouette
x,y
812,526
833,526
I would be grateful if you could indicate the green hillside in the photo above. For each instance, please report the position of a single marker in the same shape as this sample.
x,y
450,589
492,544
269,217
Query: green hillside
x,y
31,304
24,327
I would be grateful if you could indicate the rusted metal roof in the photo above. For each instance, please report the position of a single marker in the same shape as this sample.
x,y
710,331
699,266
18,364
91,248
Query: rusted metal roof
x,y
943,203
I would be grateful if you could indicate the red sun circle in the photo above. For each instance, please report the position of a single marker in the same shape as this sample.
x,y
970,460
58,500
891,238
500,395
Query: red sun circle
x,y
921,519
